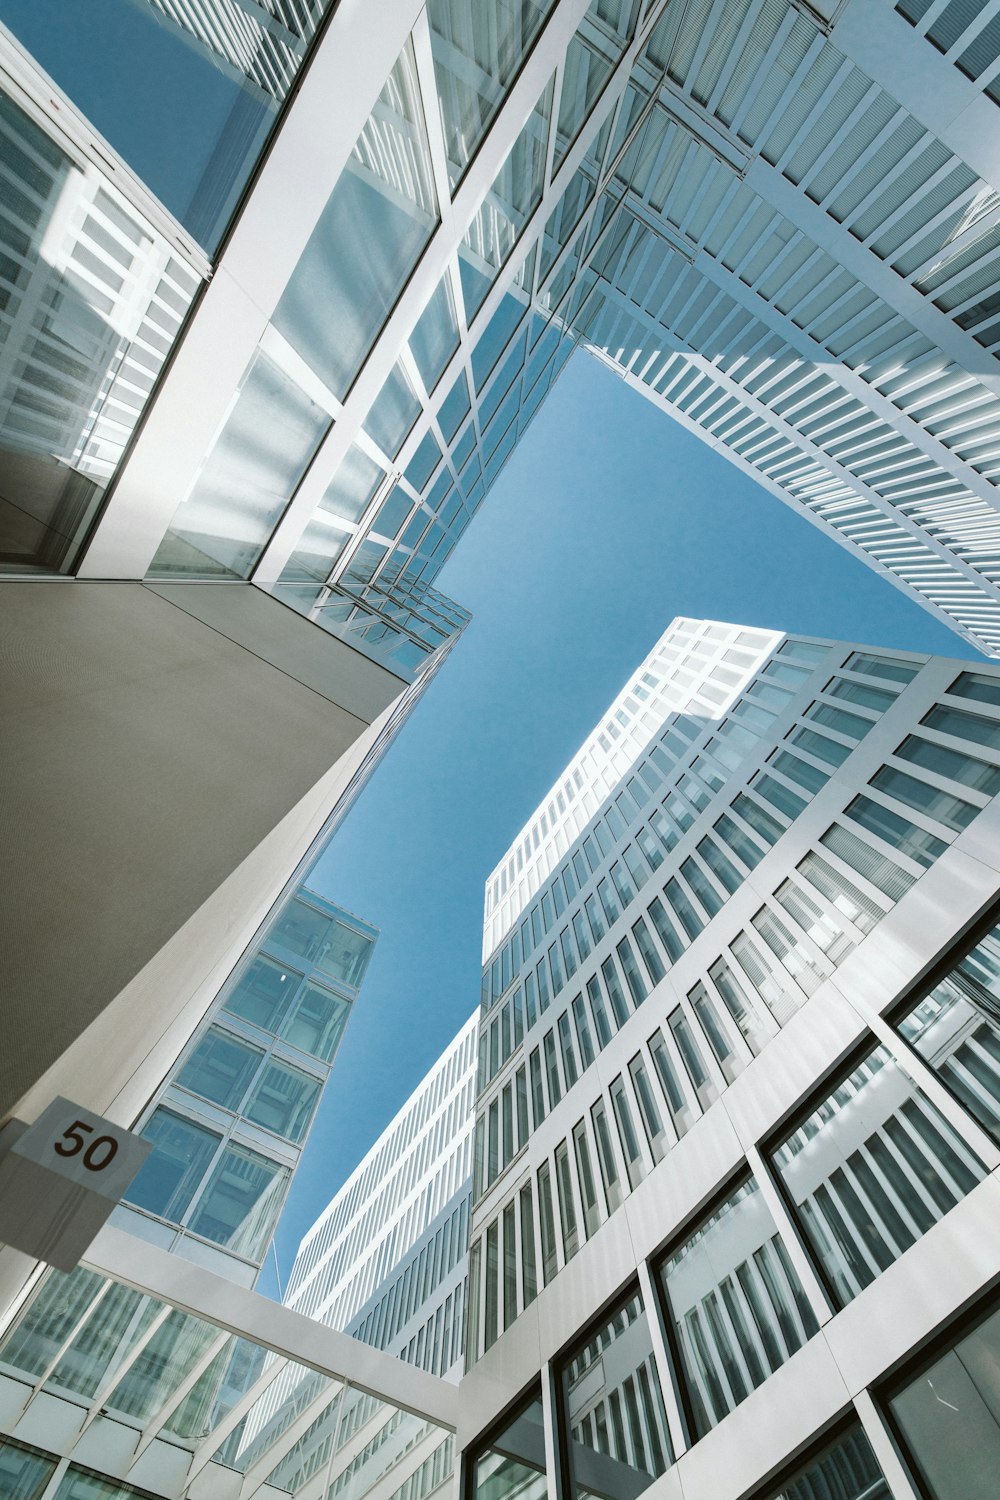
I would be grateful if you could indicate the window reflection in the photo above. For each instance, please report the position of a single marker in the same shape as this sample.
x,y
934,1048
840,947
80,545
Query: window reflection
x,y
376,223
477,54
171,1175
24,1472
93,299
240,1204
956,1030
949,1417
616,1429
263,450
737,1306
195,96
845,1470
870,1170
512,1462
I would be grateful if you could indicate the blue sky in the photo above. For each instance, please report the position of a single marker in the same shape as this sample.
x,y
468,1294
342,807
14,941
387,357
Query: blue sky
x,y
608,521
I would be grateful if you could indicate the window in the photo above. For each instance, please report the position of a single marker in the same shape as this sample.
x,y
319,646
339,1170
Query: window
x,y
974,685
317,1023
172,1173
973,773
953,812
611,1408
629,1140
633,978
899,833
220,1068
263,994
956,1030
846,1469
647,948
284,1100
369,237
599,1011
737,1308
511,1462
239,1206
964,726
869,1170
24,1472
948,1416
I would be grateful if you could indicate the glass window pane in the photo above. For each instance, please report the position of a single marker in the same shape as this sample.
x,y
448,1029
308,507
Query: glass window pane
x,y
514,195
284,1100
24,1472
477,54
737,1307
166,1360
189,114
171,1174
512,1462
268,440
318,1022
846,1470
612,1408
376,223
241,1202
435,338
220,1068
352,488
345,955
264,993
392,414
956,1030
949,1417
48,1319
870,1170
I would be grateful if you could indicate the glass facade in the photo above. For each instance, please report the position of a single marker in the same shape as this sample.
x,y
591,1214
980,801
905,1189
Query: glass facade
x,y
612,1408
512,1463
872,1167
737,1307
845,1470
229,1123
948,1416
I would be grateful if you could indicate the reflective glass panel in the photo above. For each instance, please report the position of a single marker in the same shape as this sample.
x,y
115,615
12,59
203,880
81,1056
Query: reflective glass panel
x,y
949,1417
956,1030
435,338
376,223
845,1470
353,487
172,1173
24,1472
513,197
92,298
264,993
220,1068
870,1170
477,54
512,1462
612,1408
284,1100
264,448
737,1306
392,414
318,1022
241,1202
193,100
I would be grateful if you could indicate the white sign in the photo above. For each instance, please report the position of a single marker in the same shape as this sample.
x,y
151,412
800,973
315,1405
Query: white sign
x,y
61,1177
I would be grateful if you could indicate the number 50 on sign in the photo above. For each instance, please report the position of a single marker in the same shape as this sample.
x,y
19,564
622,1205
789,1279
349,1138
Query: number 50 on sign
x,y
61,1177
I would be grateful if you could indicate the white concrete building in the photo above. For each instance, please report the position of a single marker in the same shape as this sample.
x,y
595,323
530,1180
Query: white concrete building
x,y
387,1258
738,1133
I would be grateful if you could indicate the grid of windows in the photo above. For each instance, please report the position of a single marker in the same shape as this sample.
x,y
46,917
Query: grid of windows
x,y
865,854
